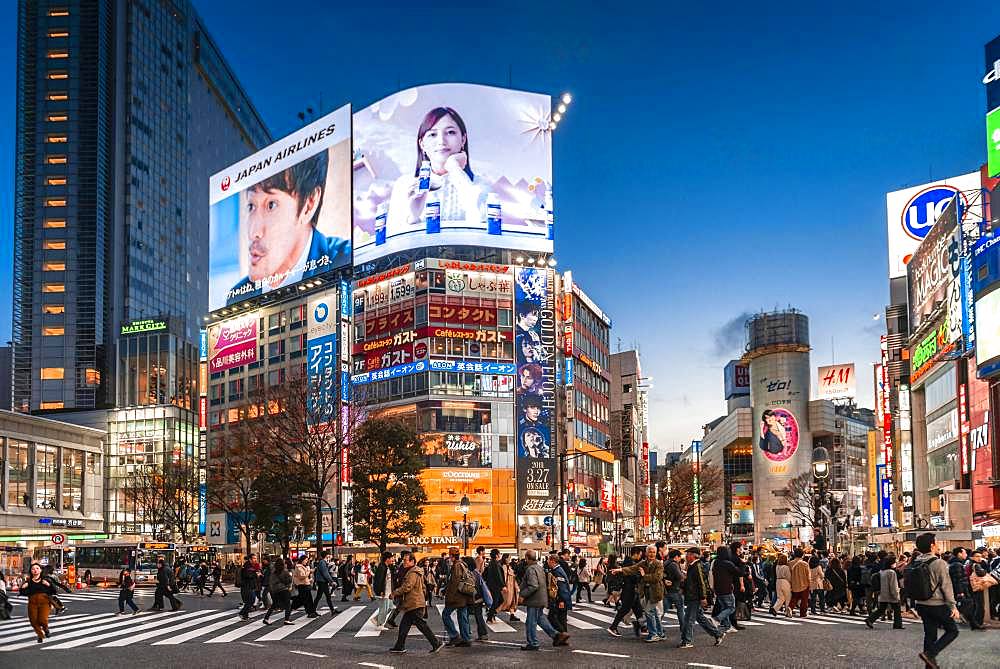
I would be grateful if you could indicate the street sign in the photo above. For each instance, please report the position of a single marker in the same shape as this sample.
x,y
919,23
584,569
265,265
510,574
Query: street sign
x,y
58,539
548,521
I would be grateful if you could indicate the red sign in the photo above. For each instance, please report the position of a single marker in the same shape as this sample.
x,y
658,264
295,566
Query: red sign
x,y
484,336
460,314
886,409
202,412
472,266
398,339
399,271
419,351
568,340
607,495
58,539
394,321
390,358
964,428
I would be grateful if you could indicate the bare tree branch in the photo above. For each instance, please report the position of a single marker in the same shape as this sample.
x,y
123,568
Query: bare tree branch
x,y
679,492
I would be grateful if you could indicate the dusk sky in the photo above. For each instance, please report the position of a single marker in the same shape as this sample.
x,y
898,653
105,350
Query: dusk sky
x,y
716,160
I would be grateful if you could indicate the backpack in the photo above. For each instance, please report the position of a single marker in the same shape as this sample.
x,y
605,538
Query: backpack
x,y
466,582
875,582
866,577
918,580
553,586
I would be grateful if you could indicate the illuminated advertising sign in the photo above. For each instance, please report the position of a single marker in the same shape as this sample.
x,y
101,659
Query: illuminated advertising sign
x,y
452,164
534,394
742,503
383,358
465,315
933,273
884,498
931,348
942,431
143,326
993,142
836,382
283,214
457,450
607,494
459,283
384,293
737,379
887,450
390,373
233,342
391,322
322,359
507,368
911,213
988,328
482,336
398,339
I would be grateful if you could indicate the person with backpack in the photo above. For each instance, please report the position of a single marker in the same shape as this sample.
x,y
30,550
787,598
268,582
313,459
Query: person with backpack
x,y
535,594
482,598
216,580
960,582
412,598
279,584
929,583
459,595
165,584
246,579
888,595
126,592
560,593
324,582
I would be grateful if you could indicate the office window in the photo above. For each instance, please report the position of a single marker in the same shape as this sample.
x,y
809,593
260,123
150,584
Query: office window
x,y
57,116
54,266
59,11
52,373
19,473
54,223
58,53
55,202
56,139
55,181
53,331
53,308
45,477
72,480
59,96
53,287
92,377
58,32
51,405
54,245
57,74
55,160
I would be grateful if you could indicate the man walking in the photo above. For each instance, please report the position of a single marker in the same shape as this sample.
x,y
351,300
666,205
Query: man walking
x,y
799,569
324,581
650,573
458,596
248,586
216,580
629,597
888,596
534,593
561,597
673,580
495,581
413,603
928,582
695,591
164,587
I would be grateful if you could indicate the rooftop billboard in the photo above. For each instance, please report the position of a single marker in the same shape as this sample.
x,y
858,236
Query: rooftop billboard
x,y
283,214
452,164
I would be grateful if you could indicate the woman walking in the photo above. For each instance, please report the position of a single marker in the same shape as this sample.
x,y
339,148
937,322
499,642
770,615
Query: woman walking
x,y
836,598
126,590
856,586
600,574
783,585
509,589
363,581
280,586
38,590
584,575
613,583
816,590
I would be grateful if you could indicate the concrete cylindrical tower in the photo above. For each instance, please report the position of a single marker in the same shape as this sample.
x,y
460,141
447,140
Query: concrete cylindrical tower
x,y
778,355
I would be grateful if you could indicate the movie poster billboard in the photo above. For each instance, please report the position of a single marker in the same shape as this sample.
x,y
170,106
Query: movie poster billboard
x,y
232,343
283,214
452,164
534,393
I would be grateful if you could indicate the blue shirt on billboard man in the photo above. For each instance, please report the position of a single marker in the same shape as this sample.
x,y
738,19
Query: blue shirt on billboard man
x,y
280,214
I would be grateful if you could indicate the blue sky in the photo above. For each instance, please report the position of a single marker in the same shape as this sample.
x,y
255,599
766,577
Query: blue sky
x,y
716,160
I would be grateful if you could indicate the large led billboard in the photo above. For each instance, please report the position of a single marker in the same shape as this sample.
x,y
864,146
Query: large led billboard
x,y
283,214
988,328
452,164
911,213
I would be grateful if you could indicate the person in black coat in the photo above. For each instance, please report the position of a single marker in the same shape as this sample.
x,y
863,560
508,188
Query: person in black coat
x,y
248,586
164,587
495,582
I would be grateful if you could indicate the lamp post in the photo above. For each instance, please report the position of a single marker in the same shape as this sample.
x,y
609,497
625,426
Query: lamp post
x,y
821,472
855,522
463,506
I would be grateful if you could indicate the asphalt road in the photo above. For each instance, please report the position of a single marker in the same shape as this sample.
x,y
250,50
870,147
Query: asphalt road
x,y
206,632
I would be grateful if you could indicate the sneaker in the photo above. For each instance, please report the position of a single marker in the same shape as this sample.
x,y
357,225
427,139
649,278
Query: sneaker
x,y
651,639
289,622
437,648
265,621
685,645
718,639
734,630
929,661
483,638
613,631
522,647
398,651
463,644
136,612
869,624
120,613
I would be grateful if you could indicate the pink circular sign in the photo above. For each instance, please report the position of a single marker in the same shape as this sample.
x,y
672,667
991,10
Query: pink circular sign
x,y
779,434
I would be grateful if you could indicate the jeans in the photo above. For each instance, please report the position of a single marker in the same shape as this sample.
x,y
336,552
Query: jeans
x,y
817,597
323,588
654,627
935,617
414,617
125,597
463,623
725,617
482,631
536,618
693,612
677,601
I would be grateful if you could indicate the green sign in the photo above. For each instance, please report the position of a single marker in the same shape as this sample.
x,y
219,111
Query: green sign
x,y
993,142
148,325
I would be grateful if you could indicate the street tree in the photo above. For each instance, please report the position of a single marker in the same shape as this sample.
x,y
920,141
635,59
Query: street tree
x,y
681,490
235,464
806,508
387,496
277,506
165,498
142,490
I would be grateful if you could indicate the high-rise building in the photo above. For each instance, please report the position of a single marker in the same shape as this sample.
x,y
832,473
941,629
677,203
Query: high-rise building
x,y
629,439
124,109
6,377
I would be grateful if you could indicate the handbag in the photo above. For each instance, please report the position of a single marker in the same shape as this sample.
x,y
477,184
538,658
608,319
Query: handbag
x,y
827,585
742,611
980,583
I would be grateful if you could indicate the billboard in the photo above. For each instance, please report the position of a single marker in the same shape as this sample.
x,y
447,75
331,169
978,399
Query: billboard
x,y
991,73
322,361
737,379
993,142
232,342
283,214
934,274
742,503
988,328
912,211
452,164
534,392
836,382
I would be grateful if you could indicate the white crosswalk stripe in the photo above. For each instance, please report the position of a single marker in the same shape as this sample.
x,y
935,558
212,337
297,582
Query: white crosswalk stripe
x,y
87,636
136,638
338,623
14,629
202,631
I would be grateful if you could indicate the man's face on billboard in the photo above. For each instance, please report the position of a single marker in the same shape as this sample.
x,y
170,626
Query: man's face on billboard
x,y
276,230
527,380
532,412
528,320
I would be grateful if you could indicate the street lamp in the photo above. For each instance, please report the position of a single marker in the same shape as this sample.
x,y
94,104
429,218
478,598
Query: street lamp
x,y
463,506
821,472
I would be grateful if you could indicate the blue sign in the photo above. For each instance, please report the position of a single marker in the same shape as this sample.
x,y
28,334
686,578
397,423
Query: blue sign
x,y
924,208
884,497
569,371
548,521
390,372
345,300
506,368
203,344
202,509
322,361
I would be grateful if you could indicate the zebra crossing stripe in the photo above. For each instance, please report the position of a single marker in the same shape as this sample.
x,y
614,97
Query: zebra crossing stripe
x,y
136,638
238,633
369,628
202,631
337,623
88,637
594,614
581,624
17,631
500,626
285,630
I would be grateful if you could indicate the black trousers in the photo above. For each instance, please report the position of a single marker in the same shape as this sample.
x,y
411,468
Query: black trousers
x,y
557,617
304,599
216,583
161,592
580,587
415,618
247,595
323,589
280,601
629,602
477,610
935,618
897,616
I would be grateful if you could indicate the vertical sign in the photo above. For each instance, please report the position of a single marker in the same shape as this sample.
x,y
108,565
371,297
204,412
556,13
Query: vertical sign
x,y
872,476
202,430
321,360
884,497
885,408
535,385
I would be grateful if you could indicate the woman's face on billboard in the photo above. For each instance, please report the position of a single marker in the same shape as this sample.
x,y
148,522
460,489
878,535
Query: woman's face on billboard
x,y
442,140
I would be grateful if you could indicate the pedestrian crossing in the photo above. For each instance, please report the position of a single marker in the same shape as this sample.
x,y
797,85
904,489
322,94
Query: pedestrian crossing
x,y
215,626
93,595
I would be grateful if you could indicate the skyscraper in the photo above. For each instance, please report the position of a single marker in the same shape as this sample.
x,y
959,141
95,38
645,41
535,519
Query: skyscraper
x,y
124,108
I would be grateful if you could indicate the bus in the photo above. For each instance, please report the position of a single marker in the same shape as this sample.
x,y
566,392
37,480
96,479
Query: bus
x,y
101,561
195,553
58,557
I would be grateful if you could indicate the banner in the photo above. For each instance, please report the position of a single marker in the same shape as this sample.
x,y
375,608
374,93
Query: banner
x,y
535,392
836,382
322,365
232,343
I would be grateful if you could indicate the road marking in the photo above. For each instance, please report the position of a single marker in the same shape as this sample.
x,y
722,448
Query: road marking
x,y
502,643
251,643
594,652
202,631
241,631
131,639
88,637
282,631
500,626
595,615
336,624
15,628
708,666
302,652
581,624
377,666
369,628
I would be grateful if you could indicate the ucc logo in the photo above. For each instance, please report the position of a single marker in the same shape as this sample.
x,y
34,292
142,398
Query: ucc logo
x,y
924,208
